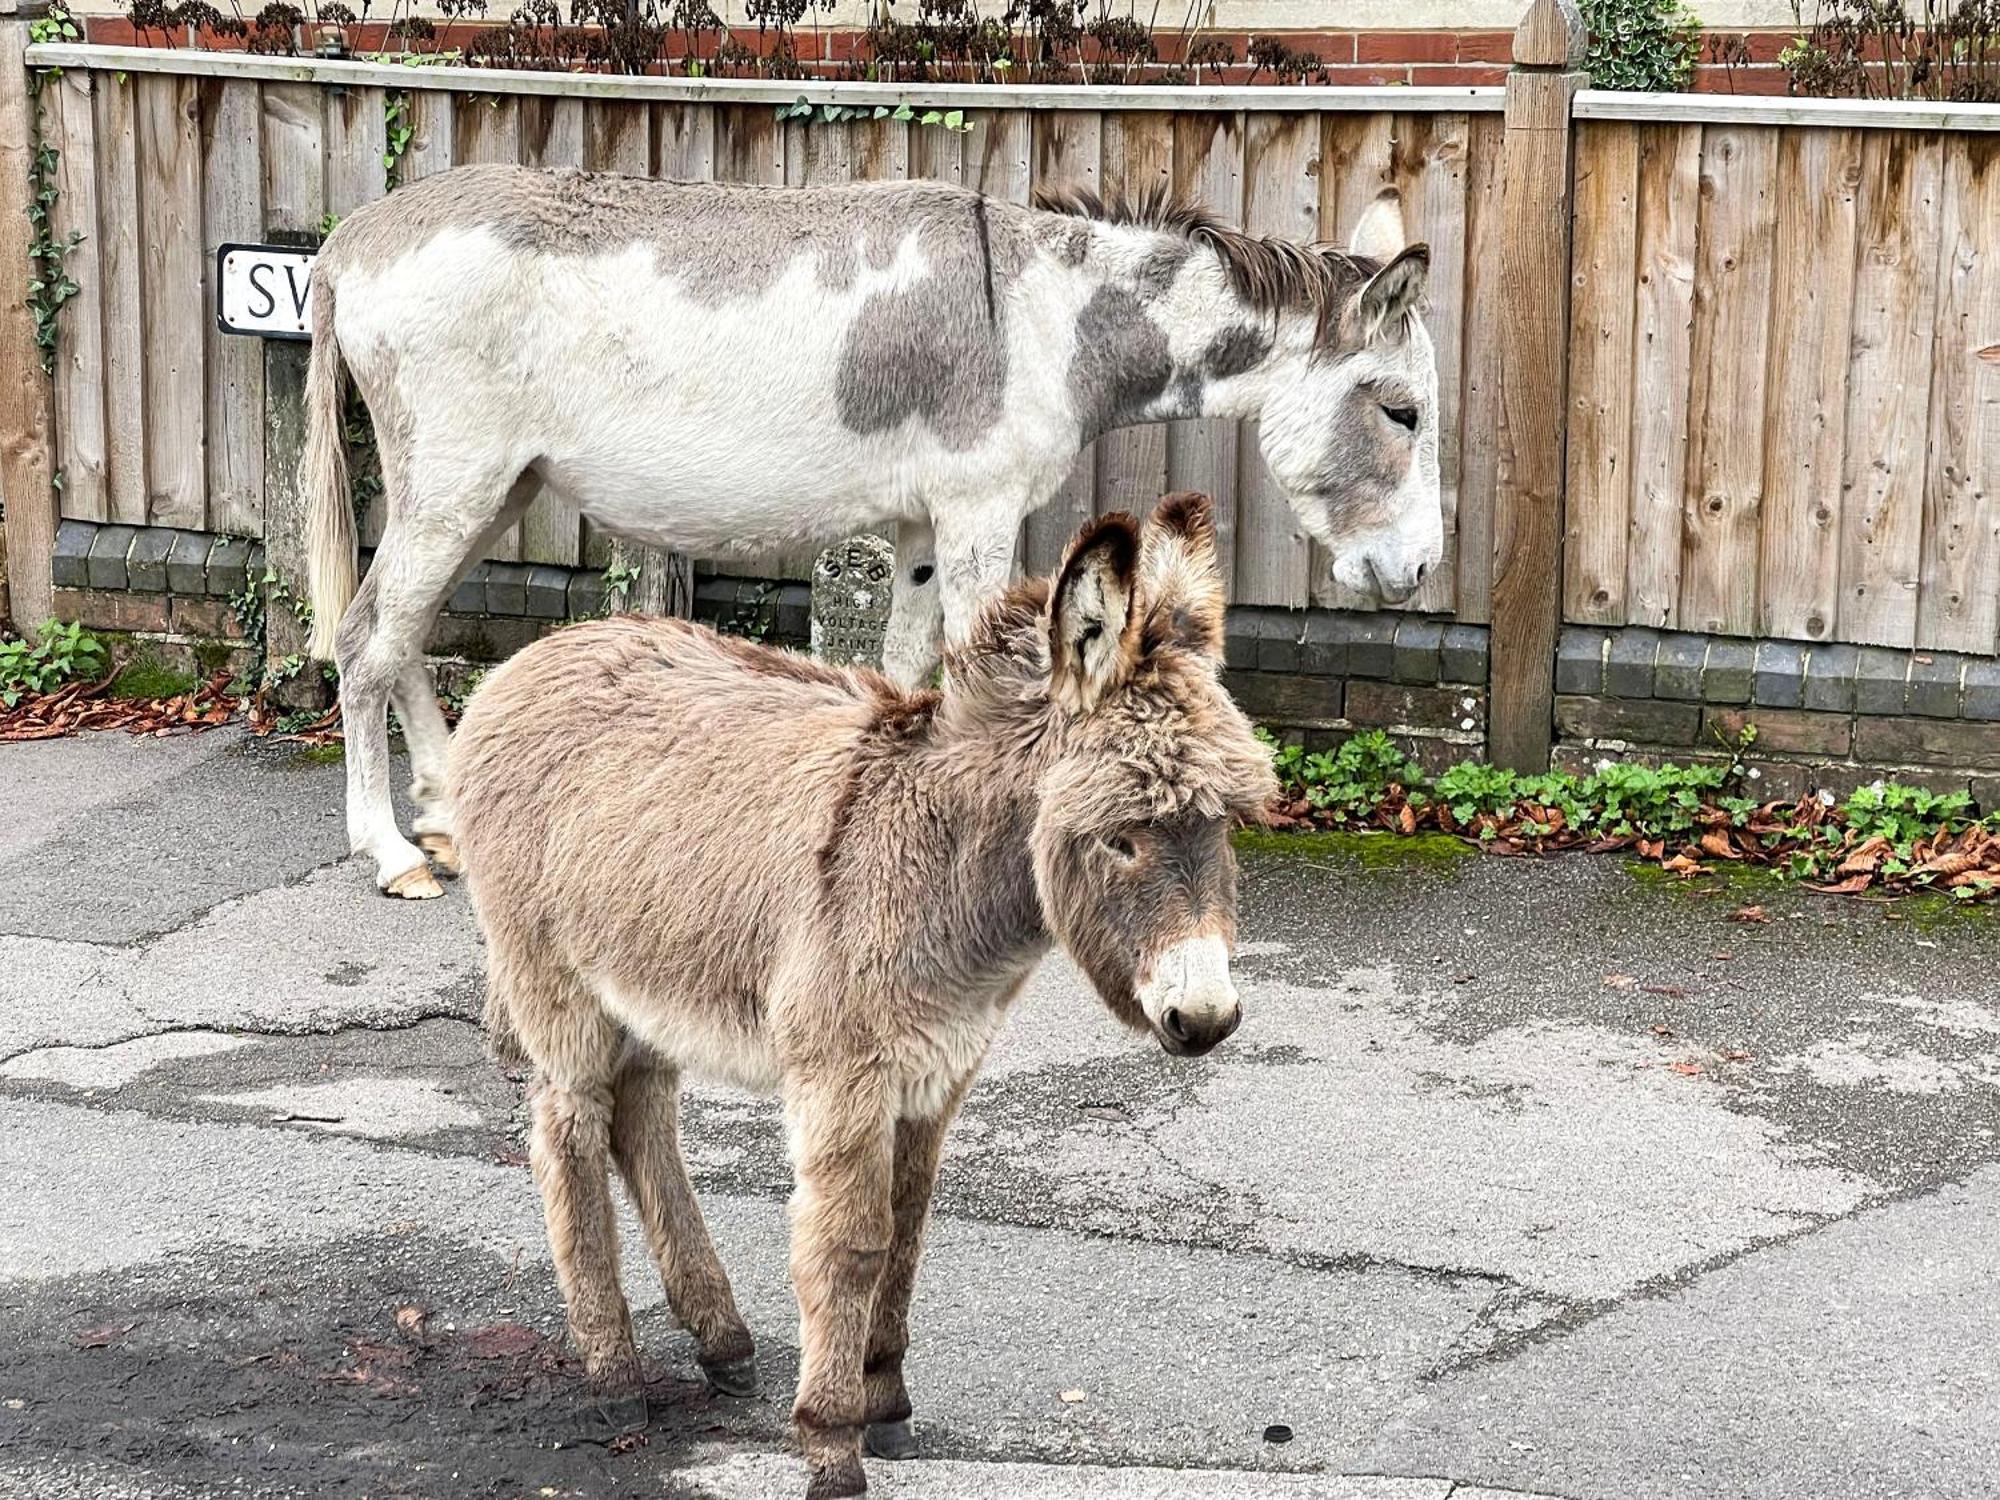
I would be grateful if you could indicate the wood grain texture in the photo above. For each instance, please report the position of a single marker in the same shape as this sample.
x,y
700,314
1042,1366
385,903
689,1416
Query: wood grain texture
x,y
1959,600
428,113
1281,197
1602,289
1534,350
1357,165
1068,152
1203,455
1432,176
1663,324
357,141
294,130
1732,312
1138,155
26,396
1888,387
125,411
232,209
172,309
1479,414
79,376
1805,415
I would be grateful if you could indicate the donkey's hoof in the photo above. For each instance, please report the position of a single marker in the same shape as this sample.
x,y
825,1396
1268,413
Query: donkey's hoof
x,y
891,1440
838,1480
622,1413
414,885
443,852
735,1377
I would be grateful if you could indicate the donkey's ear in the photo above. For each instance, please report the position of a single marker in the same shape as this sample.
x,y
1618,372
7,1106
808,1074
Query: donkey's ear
x,y
1093,626
1379,233
1180,581
1393,293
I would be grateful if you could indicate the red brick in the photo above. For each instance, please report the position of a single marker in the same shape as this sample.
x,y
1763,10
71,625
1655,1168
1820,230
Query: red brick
x,y
113,609
1486,46
1477,75
1755,81
1366,77
1406,47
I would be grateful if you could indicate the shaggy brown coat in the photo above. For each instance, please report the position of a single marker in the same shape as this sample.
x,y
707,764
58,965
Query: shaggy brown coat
x,y
692,852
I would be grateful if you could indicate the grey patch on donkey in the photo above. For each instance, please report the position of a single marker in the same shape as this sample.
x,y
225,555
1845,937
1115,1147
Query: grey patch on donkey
x,y
1122,363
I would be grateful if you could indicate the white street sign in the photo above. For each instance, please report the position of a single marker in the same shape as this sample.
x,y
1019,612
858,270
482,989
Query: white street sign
x,y
264,291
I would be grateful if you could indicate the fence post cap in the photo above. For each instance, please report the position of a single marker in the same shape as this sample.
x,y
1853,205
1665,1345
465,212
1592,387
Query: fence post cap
x,y
1551,35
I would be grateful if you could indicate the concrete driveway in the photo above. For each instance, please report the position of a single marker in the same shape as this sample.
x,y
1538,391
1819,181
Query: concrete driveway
x,y
1520,1179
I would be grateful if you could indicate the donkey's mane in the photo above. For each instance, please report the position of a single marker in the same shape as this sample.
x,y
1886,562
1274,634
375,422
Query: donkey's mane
x,y
1272,275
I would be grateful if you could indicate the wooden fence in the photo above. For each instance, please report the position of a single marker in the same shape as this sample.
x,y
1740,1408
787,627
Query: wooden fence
x,y
1735,386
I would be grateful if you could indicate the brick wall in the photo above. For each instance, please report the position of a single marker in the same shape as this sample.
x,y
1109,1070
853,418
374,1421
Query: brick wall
x,y
1442,57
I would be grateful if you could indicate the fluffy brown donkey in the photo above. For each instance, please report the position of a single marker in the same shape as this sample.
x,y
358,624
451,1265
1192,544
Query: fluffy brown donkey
x,y
690,853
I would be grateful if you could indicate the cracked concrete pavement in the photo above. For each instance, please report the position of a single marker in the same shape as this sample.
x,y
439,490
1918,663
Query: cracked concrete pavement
x,y
1520,1179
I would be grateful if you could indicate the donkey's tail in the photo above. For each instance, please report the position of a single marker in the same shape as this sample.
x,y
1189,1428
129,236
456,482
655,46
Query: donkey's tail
x,y
330,543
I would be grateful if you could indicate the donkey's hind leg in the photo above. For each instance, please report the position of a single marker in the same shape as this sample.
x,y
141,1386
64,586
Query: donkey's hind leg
x,y
425,549
645,1142
424,730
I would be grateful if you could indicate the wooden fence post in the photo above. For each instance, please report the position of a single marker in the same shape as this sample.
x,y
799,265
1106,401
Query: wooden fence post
x,y
26,395
1534,387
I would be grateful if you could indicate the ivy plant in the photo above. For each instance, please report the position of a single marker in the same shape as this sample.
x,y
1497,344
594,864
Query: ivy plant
x,y
1647,46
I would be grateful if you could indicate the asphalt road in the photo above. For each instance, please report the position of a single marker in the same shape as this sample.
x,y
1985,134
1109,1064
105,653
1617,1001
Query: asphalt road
x,y
1520,1178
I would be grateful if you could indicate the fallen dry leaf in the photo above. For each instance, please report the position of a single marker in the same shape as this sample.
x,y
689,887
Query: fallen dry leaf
x,y
1847,887
501,1340
1735,1056
1686,1069
1754,914
1671,991
102,1336
1662,1029
1620,981
411,1319
1682,864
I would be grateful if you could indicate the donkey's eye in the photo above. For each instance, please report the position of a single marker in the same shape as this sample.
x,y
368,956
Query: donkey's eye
x,y
1121,847
1404,417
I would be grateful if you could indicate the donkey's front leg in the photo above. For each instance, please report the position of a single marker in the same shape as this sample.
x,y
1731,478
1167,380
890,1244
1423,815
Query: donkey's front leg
x,y
919,1145
975,550
842,1139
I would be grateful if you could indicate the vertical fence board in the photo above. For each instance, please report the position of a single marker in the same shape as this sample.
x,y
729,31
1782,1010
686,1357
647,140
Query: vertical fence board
x,y
1132,462
1281,196
684,148
1663,321
1732,312
1888,387
939,155
1357,166
232,199
487,128
27,412
1960,599
1431,177
1069,152
79,384
1479,414
118,211
294,131
1805,407
1202,454
428,113
357,143
171,306
1602,288
552,135
999,155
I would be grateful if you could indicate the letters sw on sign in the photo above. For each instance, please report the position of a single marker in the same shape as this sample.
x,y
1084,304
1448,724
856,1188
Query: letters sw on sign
x,y
264,291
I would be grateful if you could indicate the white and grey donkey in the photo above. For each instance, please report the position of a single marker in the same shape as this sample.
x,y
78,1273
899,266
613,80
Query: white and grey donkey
x,y
706,366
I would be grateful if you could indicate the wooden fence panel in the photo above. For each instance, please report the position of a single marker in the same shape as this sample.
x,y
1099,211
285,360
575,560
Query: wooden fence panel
x,y
171,307
125,413
1069,152
1959,602
428,113
1669,209
232,209
1138,157
1479,408
1805,417
1281,197
1202,455
80,376
1603,287
1888,387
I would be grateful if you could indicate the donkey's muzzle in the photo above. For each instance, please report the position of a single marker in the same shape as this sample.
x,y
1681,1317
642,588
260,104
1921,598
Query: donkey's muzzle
x,y
1189,998
1186,1035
